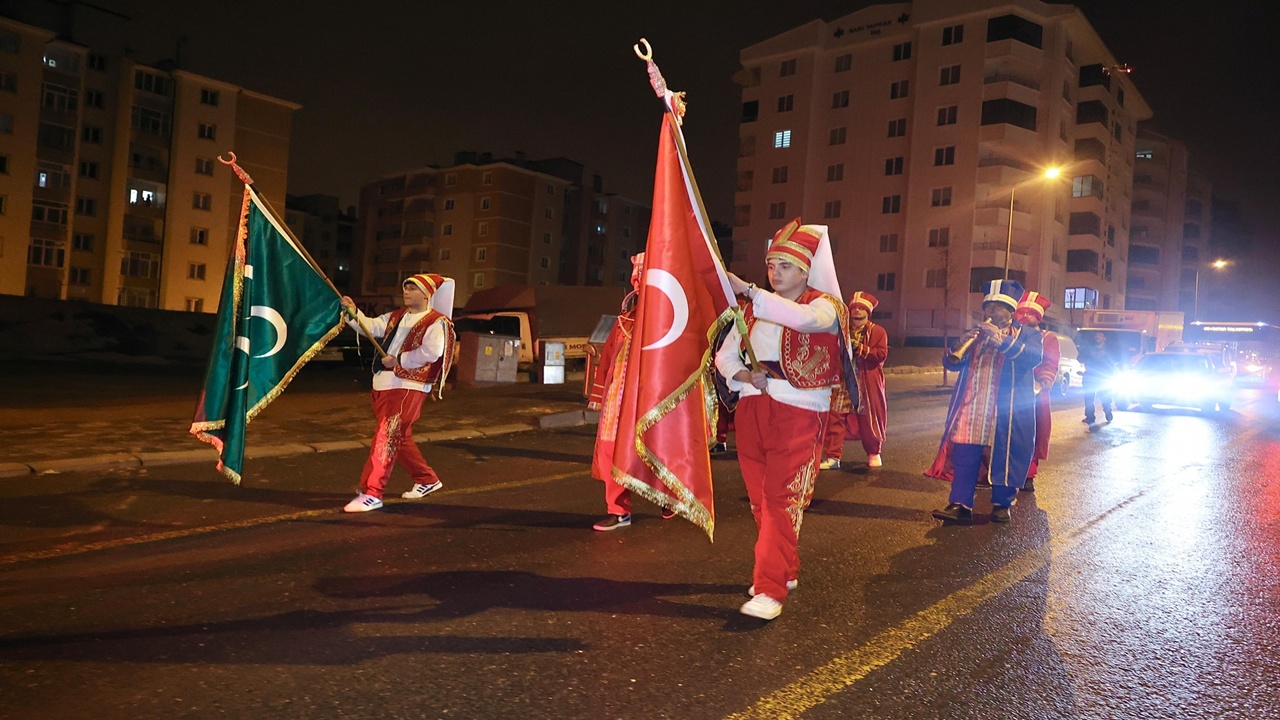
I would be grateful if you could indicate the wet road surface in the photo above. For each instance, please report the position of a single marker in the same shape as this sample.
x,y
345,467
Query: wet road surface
x,y
1139,581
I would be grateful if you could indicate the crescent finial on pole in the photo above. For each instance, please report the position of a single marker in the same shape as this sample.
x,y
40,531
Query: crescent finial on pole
x,y
659,83
239,171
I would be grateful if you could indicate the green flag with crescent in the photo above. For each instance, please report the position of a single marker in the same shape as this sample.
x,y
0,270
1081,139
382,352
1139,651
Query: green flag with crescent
x,y
275,313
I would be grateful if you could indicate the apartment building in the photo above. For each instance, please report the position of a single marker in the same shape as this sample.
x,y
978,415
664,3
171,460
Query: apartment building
x,y
110,189
487,222
326,231
1172,228
921,133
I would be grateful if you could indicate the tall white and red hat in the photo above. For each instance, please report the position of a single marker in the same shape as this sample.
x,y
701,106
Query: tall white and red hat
x,y
808,247
1034,303
438,289
864,300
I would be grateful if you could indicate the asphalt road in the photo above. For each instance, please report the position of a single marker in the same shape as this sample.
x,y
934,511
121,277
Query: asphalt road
x,y
1139,581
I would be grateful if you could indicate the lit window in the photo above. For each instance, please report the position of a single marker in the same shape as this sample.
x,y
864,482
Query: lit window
x,y
782,139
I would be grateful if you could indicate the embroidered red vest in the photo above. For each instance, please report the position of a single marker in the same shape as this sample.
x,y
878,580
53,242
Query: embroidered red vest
x,y
437,370
812,360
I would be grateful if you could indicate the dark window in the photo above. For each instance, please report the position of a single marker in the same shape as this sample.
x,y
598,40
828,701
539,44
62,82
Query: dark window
x,y
941,197
1012,27
952,35
1084,223
1011,112
1091,75
980,277
1091,149
1082,261
949,75
893,166
840,99
787,67
891,204
940,237
1144,255
886,281
844,62
750,111
898,128
1091,111
835,172
947,115
1190,230
786,103
1190,253
902,51
899,89
945,155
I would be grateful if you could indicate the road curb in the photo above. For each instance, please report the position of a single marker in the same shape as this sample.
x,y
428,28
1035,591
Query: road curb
x,y
14,470
93,462
251,453
336,445
570,418
177,457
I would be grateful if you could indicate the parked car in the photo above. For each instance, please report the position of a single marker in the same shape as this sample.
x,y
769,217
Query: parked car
x,y
1070,369
1177,379
1252,368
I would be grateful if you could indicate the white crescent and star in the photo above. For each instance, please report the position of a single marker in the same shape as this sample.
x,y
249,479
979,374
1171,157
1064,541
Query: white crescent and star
x,y
667,284
272,316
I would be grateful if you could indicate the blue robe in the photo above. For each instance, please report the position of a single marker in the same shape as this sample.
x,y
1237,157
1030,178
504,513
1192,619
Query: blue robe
x,y
1014,439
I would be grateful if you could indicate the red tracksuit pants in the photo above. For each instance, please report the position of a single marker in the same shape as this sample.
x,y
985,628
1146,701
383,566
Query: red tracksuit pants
x,y
779,448
396,411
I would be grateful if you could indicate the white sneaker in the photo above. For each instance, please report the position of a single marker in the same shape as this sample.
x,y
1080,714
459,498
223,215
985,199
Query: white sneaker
x,y
829,464
761,606
420,491
874,461
791,585
363,503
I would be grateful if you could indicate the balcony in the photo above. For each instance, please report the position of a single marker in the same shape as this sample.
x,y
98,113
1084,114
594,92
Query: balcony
x,y
1011,86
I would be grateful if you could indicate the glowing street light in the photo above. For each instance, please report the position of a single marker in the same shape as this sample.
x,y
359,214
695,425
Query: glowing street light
x,y
1195,305
1049,174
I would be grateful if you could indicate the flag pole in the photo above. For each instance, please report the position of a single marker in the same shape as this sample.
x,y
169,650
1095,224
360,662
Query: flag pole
x,y
297,244
677,108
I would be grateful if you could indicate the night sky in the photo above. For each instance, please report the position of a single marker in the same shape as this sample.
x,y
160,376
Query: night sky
x,y
392,84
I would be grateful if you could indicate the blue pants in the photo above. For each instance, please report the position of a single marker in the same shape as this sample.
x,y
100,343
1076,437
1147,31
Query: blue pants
x,y
966,462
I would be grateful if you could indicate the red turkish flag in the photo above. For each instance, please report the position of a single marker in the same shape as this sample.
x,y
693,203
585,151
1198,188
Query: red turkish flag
x,y
668,401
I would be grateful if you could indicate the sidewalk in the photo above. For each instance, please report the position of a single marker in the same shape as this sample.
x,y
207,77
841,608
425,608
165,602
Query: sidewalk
x,y
64,419
62,422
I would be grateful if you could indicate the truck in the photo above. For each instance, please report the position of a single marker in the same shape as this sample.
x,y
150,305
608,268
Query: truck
x,y
1134,332
538,314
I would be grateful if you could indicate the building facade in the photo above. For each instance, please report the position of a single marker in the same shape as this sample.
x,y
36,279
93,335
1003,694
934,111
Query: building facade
x,y
326,231
112,191
487,222
920,133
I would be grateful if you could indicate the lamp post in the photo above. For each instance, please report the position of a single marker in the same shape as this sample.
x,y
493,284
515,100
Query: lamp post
x,y
1048,174
1195,305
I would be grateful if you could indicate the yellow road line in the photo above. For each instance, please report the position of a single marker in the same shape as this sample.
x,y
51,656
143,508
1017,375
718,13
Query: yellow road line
x,y
813,689
252,522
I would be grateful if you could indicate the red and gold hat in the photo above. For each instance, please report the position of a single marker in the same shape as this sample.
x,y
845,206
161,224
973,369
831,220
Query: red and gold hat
x,y
438,289
428,283
864,300
796,244
1034,303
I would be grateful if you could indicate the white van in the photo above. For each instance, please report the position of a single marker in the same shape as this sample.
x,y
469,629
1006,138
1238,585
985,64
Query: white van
x,y
1070,369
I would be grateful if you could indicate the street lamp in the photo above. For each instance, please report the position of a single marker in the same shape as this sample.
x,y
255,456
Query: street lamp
x,y
1195,305
1048,174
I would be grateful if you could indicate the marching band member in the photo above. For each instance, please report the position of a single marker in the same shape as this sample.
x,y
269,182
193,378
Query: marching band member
x,y
419,340
993,404
870,346
798,334
1030,314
